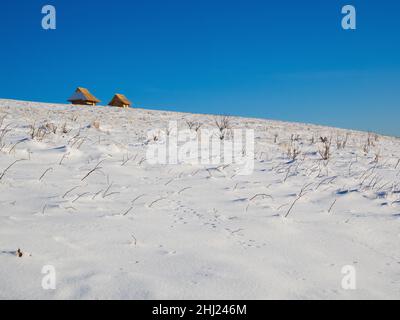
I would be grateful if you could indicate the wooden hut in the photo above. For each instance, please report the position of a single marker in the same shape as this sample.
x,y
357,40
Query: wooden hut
x,y
119,100
82,96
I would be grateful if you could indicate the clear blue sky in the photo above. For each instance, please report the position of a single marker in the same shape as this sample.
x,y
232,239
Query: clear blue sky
x,y
286,60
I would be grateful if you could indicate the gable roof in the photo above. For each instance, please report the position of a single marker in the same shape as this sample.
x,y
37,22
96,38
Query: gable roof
x,y
83,94
120,98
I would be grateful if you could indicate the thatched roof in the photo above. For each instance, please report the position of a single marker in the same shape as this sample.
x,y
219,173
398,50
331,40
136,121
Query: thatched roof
x,y
119,99
83,94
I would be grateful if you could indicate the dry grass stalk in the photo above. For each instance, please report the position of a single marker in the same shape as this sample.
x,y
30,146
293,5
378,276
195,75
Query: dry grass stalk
x,y
9,167
302,193
325,152
224,125
97,167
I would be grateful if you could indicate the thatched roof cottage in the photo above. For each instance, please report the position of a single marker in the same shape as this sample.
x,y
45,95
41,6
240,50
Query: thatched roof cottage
x,y
119,100
82,96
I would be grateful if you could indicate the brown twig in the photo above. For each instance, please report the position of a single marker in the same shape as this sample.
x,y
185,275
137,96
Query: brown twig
x,y
155,201
9,167
44,173
137,198
187,188
69,191
63,157
263,195
331,207
80,196
303,191
127,211
93,170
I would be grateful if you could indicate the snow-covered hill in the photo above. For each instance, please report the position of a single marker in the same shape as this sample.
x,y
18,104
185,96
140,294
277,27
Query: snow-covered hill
x,y
78,193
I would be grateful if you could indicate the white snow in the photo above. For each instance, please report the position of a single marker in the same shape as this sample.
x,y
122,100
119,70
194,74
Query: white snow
x,y
132,230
